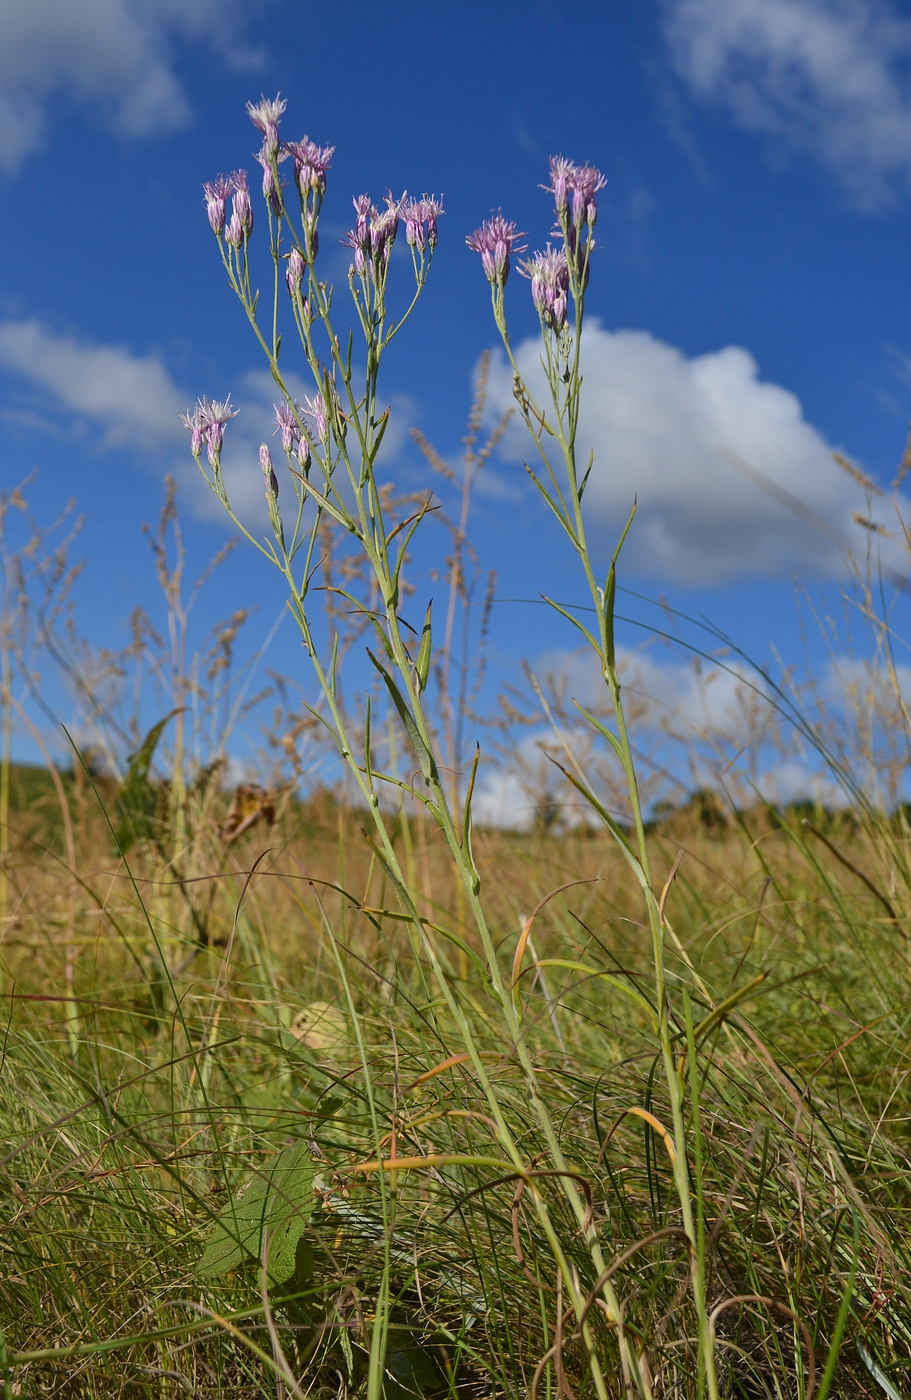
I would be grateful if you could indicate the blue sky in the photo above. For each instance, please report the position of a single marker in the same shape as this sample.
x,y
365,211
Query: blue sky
x,y
750,295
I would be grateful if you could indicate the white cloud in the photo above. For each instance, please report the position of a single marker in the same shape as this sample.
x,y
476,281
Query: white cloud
x,y
682,699
128,401
114,56
130,397
827,77
660,425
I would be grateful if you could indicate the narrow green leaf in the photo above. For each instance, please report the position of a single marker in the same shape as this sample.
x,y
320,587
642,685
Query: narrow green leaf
x,y
421,752
425,651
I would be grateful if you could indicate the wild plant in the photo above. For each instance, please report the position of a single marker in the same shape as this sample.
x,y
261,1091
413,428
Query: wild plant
x,y
330,471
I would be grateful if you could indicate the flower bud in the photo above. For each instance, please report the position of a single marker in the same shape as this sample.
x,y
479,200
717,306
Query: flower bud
x,y
234,233
295,273
268,471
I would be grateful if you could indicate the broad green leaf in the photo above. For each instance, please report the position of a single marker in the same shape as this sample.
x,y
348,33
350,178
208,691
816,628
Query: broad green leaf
x,y
137,799
278,1203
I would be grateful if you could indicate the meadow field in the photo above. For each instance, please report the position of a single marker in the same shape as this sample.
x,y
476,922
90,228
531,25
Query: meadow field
x,y
316,1083
166,1037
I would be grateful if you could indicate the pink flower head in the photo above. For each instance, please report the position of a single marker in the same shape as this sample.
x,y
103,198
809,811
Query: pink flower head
x,y
358,238
295,273
365,211
315,410
212,416
288,425
495,240
268,471
192,420
549,276
310,165
241,208
216,197
271,191
234,233
417,213
265,116
384,227
374,233
582,182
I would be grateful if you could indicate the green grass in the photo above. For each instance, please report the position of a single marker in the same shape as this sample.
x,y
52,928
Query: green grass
x,y
139,1097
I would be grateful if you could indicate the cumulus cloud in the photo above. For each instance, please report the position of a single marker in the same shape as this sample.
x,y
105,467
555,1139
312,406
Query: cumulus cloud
x,y
131,398
129,402
696,724
663,428
115,57
827,77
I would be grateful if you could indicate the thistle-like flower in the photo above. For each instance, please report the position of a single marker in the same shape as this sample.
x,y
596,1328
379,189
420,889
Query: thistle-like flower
x,y
216,196
241,208
496,240
193,422
582,182
548,273
295,271
420,212
265,116
310,165
206,424
374,233
213,415
315,410
288,425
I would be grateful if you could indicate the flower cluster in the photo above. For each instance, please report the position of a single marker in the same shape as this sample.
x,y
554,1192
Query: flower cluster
x,y
549,276
310,165
420,217
495,240
575,185
206,424
373,234
287,418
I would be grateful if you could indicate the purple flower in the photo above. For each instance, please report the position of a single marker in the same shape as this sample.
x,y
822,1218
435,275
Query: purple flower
x,y
288,425
417,213
582,182
560,171
206,423
216,196
268,471
295,273
374,233
241,208
310,165
315,410
265,116
213,415
234,233
549,276
192,420
271,191
495,240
